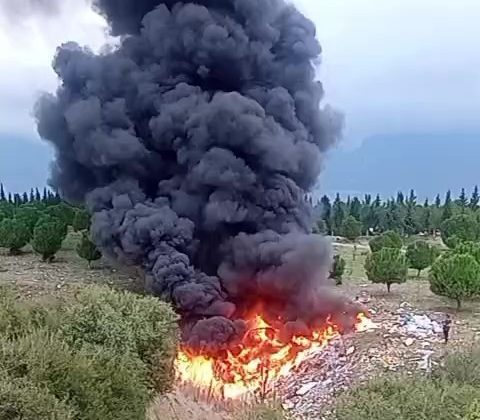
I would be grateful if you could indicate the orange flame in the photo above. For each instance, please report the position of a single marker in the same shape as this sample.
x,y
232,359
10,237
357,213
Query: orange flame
x,y
262,359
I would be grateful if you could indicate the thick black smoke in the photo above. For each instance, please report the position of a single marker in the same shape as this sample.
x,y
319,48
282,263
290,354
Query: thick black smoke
x,y
193,144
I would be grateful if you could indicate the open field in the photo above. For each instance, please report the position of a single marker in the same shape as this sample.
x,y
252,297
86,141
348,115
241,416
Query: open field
x,y
385,349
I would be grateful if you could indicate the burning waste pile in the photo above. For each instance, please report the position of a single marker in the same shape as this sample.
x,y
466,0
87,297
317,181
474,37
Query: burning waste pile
x,y
193,143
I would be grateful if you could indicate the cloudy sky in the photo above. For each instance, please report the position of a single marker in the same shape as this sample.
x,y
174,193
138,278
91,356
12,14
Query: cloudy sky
x,y
396,66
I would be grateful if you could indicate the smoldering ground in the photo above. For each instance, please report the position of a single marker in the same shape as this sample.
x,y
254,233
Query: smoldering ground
x,y
193,144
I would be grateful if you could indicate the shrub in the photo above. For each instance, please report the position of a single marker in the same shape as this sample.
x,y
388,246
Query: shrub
x,y
351,228
14,235
48,236
456,276
389,239
461,367
407,399
338,268
87,250
125,323
96,384
271,411
386,266
472,248
28,215
15,318
81,221
421,255
21,399
460,228
62,211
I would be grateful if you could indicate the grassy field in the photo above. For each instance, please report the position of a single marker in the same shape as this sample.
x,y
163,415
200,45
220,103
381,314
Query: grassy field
x,y
36,279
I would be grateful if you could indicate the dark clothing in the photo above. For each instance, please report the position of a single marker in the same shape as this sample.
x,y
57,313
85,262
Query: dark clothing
x,y
446,329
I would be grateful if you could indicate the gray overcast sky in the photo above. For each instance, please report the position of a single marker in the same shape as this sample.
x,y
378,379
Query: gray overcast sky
x,y
392,66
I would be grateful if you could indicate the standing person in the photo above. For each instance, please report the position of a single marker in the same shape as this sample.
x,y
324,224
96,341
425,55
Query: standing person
x,y
446,325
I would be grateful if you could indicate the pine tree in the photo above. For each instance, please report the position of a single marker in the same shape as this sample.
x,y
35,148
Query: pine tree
x,y
412,199
2,193
367,200
400,198
463,201
426,204
338,215
45,195
10,199
25,198
355,208
32,195
326,212
378,201
87,250
438,201
447,207
38,197
475,199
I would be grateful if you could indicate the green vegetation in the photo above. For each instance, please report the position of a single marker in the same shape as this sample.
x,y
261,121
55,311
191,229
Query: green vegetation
x,y
389,239
81,221
421,255
48,236
452,392
460,228
87,250
456,276
98,355
338,269
351,228
387,266
14,235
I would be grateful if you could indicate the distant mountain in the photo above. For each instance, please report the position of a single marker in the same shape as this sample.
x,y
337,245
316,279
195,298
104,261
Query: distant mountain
x,y
24,163
385,164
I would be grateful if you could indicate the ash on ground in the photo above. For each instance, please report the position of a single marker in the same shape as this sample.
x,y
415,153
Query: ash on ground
x,y
405,340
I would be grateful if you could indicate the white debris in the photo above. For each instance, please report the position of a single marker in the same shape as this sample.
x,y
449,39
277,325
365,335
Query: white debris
x,y
419,325
306,388
350,350
409,341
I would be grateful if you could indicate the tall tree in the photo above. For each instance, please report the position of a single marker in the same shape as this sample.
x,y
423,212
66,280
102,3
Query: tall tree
x,y
426,204
338,215
10,199
2,193
412,198
447,207
25,198
475,198
438,201
463,200
45,195
32,195
38,197
378,201
400,198
326,212
367,199
355,208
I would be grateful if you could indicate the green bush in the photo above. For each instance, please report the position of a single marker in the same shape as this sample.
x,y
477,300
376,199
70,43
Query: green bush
x,y
62,211
338,269
389,239
21,399
460,228
472,248
95,383
87,250
15,318
81,221
456,276
28,215
413,398
351,228
48,236
421,255
271,411
387,266
461,367
125,323
14,235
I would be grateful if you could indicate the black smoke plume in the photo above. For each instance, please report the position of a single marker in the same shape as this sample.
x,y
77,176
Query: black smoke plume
x,y
193,144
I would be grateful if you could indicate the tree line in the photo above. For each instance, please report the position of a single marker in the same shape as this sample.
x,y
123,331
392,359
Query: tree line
x,y
403,213
43,222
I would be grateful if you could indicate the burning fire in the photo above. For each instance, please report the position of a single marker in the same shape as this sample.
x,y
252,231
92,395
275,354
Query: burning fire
x,y
262,359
